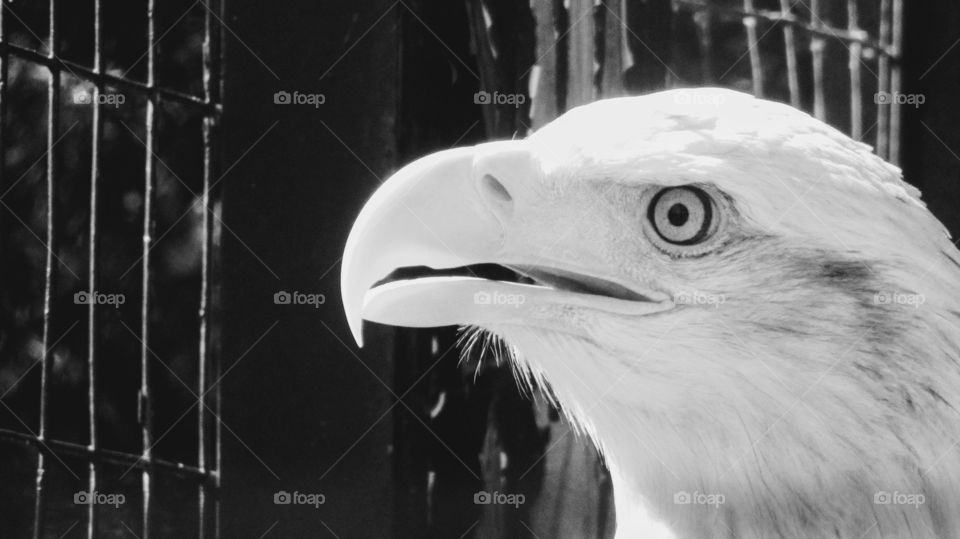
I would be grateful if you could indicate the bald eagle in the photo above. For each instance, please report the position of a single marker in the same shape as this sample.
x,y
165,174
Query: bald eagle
x,y
752,316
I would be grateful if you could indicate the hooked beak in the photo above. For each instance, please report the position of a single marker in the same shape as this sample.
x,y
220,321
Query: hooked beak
x,y
456,209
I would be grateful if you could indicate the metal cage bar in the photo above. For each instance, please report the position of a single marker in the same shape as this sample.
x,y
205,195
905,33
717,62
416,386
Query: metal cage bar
x,y
53,122
95,148
704,22
581,88
790,49
856,88
896,78
545,91
753,47
146,401
883,113
210,81
89,74
104,456
4,60
614,46
817,45
214,67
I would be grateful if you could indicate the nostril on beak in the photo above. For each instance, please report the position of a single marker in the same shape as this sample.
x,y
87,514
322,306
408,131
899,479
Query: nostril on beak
x,y
496,194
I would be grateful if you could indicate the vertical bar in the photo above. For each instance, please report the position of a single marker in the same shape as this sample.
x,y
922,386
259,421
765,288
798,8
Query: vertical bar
x,y
216,262
217,402
92,270
704,21
208,120
614,45
883,107
856,90
896,81
581,88
790,46
3,91
817,45
146,406
487,63
3,115
218,394
546,89
756,65
53,100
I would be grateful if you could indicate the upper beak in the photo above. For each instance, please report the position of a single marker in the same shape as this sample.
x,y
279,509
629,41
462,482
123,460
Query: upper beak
x,y
445,210
485,204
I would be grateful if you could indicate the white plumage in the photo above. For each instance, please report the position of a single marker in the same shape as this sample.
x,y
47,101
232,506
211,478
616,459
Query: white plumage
x,y
789,371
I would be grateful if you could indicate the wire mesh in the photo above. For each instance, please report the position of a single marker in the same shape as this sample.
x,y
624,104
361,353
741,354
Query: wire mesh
x,y
92,455
871,41
788,50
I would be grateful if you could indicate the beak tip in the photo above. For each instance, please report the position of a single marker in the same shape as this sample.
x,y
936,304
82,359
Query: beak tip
x,y
355,323
352,293
357,332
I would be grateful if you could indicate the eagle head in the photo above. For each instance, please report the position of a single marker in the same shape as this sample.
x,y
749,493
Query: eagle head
x,y
750,314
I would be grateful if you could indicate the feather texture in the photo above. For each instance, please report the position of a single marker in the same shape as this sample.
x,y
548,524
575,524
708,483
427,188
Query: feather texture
x,y
824,385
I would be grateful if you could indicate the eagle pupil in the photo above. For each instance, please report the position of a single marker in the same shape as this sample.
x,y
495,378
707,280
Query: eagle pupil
x,y
678,215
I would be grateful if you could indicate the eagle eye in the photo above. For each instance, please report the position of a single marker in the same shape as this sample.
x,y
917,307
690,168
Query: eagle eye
x,y
682,215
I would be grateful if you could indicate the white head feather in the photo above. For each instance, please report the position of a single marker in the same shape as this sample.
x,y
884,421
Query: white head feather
x,y
807,381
